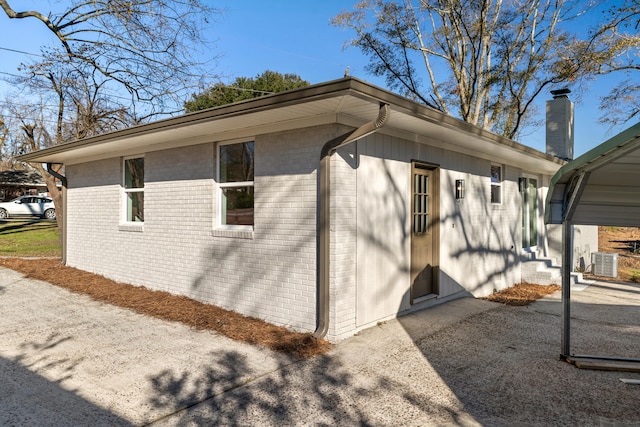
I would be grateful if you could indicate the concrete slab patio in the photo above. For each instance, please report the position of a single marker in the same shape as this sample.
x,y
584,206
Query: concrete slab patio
x,y
68,360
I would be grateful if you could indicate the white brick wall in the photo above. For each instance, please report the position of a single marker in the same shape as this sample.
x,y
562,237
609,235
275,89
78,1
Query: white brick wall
x,y
343,242
271,276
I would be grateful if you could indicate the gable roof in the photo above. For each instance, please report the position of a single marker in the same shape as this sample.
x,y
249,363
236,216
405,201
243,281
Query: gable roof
x,y
601,187
347,101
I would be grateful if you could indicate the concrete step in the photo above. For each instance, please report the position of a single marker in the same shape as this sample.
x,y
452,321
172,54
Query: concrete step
x,y
531,267
543,272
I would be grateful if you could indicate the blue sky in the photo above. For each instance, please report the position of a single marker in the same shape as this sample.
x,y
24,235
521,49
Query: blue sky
x,y
290,36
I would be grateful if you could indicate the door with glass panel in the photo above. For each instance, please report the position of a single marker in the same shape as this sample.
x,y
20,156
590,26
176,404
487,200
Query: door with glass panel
x,y
424,231
529,192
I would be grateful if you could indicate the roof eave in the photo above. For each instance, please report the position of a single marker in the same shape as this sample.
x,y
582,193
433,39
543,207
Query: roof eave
x,y
346,86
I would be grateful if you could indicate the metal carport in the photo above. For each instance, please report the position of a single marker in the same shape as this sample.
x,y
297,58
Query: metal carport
x,y
601,187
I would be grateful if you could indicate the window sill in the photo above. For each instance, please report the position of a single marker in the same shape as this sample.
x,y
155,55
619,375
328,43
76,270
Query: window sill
x,y
136,228
236,234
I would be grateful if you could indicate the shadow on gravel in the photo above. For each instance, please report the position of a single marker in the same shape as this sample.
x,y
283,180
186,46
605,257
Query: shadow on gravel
x,y
219,396
27,398
323,391
504,366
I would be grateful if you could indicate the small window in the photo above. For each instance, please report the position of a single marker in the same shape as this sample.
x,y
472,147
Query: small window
x,y
133,187
496,184
420,203
235,185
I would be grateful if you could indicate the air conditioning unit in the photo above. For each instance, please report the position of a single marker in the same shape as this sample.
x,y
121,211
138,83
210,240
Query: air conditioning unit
x,y
604,264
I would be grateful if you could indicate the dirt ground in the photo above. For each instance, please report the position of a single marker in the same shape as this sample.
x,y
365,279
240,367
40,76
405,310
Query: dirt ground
x,y
625,241
163,305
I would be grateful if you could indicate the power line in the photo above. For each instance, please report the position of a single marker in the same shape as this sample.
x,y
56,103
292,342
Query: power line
x,y
9,74
20,51
34,119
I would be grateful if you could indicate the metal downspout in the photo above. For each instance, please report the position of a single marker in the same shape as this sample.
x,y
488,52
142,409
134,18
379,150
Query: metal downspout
x,y
324,214
63,180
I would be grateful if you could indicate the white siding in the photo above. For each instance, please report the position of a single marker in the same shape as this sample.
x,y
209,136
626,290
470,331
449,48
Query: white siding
x,y
480,242
383,230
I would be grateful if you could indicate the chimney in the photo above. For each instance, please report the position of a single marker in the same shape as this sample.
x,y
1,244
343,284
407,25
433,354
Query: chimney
x,y
560,125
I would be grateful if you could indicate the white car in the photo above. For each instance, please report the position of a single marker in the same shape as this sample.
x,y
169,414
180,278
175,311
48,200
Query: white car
x,y
28,206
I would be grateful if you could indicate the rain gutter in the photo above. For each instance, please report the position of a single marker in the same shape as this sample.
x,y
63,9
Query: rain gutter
x,y
324,213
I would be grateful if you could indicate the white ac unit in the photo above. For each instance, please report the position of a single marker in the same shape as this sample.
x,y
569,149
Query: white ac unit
x,y
604,264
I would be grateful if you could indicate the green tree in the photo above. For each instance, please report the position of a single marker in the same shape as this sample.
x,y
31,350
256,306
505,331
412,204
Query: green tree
x,y
244,88
486,61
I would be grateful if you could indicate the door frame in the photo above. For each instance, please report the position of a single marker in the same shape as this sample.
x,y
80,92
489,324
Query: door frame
x,y
433,224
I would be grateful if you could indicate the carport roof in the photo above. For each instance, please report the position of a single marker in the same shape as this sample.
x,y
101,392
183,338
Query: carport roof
x,y
601,187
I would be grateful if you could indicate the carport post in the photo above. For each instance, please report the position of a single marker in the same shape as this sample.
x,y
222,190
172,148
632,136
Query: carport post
x,y
576,188
566,289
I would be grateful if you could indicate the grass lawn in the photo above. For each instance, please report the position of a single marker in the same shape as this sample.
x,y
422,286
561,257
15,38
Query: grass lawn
x,y
29,238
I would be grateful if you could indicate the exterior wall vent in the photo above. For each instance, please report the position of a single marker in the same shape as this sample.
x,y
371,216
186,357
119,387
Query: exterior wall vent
x,y
605,264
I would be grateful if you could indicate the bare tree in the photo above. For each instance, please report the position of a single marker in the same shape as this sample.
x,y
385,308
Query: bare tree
x,y
484,61
145,46
70,106
30,134
117,63
623,102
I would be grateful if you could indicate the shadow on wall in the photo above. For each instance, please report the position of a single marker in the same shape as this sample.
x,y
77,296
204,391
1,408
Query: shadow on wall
x,y
280,261
482,238
480,242
248,275
383,239
29,399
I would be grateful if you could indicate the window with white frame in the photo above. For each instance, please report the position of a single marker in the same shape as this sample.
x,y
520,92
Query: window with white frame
x,y
133,187
235,185
496,184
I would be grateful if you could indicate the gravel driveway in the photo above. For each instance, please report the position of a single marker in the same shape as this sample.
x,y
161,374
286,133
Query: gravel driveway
x,y
68,360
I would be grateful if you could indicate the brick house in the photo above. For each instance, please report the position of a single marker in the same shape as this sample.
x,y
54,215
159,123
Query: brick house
x,y
326,209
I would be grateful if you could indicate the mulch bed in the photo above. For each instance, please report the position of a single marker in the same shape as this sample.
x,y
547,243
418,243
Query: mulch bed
x,y
522,294
166,306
